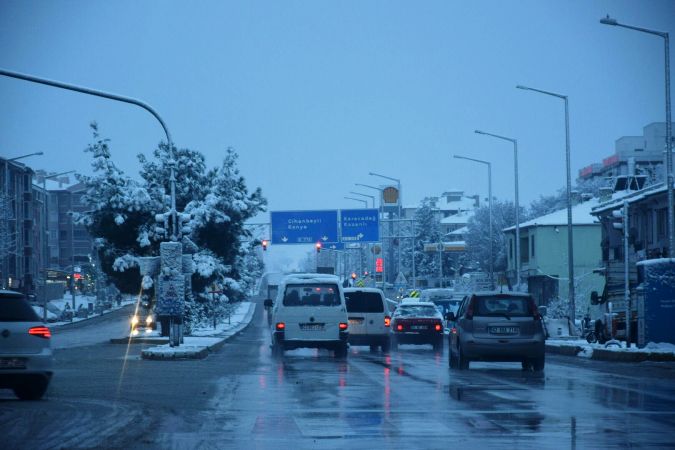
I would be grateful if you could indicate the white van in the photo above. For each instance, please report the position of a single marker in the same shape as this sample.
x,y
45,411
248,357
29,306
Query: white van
x,y
309,311
369,318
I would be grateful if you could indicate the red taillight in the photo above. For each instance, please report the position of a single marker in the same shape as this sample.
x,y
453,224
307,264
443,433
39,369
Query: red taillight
x,y
469,309
399,327
387,321
281,326
343,326
42,332
438,327
453,330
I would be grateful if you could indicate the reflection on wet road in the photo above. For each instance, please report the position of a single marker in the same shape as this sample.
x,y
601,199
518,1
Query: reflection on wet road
x,y
410,397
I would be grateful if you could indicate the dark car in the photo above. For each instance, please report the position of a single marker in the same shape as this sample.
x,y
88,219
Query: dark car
x,y
417,323
25,348
492,326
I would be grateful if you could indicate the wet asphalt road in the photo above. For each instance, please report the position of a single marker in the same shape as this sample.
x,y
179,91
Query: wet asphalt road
x,y
240,397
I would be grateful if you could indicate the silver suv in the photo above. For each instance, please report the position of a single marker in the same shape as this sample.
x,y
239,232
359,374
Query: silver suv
x,y
25,349
493,326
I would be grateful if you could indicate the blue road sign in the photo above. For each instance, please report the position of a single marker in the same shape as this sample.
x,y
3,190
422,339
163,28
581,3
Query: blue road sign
x,y
304,227
360,225
334,246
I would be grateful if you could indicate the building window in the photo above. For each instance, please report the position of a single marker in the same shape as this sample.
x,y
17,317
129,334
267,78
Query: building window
x,y
532,244
511,249
524,249
661,225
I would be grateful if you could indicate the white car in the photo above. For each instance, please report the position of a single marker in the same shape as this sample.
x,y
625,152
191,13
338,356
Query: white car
x,y
369,318
309,311
25,348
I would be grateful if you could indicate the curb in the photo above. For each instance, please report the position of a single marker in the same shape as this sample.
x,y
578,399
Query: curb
x,y
567,350
600,354
203,352
140,340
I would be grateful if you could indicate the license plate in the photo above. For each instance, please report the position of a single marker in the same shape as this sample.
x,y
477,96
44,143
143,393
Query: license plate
x,y
504,330
12,363
355,321
311,326
418,327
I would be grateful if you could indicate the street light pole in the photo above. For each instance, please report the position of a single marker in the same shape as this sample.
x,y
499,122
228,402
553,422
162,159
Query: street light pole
x,y
119,98
380,216
515,165
371,197
570,234
365,202
669,131
489,167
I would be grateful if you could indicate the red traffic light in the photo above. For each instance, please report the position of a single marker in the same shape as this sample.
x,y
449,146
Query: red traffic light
x,y
318,247
264,244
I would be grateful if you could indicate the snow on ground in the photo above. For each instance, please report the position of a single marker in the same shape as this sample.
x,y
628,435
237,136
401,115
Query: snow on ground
x,y
56,307
615,346
235,319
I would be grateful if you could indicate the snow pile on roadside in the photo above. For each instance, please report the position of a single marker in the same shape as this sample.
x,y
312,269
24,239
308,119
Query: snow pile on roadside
x,y
235,319
190,345
615,346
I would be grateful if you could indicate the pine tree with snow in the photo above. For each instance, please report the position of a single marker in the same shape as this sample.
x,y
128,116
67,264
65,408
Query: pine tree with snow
x,y
478,236
215,203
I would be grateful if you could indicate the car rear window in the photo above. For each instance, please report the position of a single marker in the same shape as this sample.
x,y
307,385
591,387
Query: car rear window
x,y
501,306
364,302
416,311
311,295
14,308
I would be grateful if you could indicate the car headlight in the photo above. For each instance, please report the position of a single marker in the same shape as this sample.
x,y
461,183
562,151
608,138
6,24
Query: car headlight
x,y
134,320
148,320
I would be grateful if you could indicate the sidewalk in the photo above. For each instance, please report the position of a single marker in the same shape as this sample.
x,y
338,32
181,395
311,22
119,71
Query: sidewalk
x,y
600,352
80,301
204,340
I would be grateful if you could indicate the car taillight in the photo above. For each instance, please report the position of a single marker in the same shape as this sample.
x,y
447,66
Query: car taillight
x,y
534,310
438,327
453,330
42,332
281,326
387,321
399,327
469,309
343,326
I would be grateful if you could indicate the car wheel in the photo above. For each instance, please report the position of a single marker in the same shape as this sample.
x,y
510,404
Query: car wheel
x,y
386,346
451,359
462,362
31,390
277,351
538,364
341,351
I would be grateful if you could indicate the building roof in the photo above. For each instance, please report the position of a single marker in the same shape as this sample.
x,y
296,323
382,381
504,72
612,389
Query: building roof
x,y
461,217
630,196
459,231
581,215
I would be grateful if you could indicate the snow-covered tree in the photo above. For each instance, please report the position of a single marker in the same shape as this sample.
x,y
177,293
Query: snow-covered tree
x,y
427,231
478,236
214,203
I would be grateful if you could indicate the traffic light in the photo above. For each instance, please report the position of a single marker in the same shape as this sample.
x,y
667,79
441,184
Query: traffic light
x,y
318,247
264,244
353,275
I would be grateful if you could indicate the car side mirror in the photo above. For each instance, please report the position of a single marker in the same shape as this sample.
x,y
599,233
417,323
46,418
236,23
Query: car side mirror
x,y
268,303
450,316
595,298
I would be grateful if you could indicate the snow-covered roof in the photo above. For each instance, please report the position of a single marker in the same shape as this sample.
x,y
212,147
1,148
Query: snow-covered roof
x,y
581,215
629,196
459,218
459,231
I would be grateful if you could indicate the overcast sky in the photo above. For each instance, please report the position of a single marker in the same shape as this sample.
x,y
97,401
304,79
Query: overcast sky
x,y
315,94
